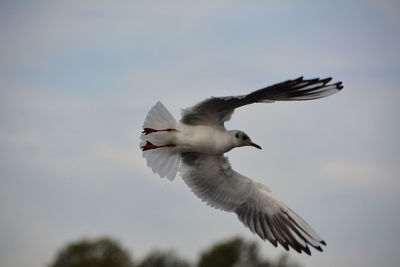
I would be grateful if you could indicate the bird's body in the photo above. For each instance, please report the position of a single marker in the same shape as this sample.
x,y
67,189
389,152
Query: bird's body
x,y
196,145
202,139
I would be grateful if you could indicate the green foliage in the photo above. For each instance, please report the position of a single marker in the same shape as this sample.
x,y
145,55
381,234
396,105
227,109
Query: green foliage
x,y
235,252
85,253
283,261
163,259
106,252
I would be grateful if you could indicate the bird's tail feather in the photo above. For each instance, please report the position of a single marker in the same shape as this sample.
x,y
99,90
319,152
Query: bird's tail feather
x,y
165,160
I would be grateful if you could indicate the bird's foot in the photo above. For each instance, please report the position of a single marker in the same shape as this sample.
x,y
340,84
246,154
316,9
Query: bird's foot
x,y
147,131
149,146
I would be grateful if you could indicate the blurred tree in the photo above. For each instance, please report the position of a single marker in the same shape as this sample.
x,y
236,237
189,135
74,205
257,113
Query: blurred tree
x,y
101,253
163,259
233,253
106,252
283,261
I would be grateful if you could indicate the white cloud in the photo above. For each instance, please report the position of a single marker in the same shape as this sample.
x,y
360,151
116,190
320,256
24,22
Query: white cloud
x,y
373,178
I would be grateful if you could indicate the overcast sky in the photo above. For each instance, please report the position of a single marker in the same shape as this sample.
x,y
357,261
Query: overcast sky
x,y
78,77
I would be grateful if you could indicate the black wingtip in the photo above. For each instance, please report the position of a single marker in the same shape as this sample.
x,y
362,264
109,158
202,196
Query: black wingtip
x,y
323,242
285,245
326,80
339,85
318,248
307,251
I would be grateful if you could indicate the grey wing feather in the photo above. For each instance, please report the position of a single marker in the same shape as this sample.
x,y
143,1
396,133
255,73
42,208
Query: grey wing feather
x,y
212,179
217,110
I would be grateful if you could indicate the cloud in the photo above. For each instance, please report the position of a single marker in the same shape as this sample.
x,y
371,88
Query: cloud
x,y
377,179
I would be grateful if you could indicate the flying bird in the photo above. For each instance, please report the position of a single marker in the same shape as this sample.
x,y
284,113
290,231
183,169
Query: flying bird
x,y
195,147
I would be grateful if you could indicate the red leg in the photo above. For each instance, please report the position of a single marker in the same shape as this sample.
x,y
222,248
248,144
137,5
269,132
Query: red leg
x,y
149,146
147,131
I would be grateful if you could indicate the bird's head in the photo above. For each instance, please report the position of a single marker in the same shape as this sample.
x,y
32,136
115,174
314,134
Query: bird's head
x,y
242,139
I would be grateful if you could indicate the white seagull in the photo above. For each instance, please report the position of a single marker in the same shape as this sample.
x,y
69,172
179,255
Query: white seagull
x,y
196,145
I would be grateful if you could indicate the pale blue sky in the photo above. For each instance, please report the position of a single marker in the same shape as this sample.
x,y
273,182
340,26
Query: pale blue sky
x,y
78,77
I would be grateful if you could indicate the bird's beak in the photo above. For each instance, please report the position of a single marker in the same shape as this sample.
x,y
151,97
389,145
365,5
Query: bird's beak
x,y
255,145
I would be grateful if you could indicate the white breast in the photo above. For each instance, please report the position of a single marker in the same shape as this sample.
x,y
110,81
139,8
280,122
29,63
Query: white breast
x,y
203,139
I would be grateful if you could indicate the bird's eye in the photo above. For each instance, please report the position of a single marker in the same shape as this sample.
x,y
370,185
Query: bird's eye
x,y
245,138
237,135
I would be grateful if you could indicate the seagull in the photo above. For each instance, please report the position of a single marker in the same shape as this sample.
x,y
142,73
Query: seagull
x,y
195,148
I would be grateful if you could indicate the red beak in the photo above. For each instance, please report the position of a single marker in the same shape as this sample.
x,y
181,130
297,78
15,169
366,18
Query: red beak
x,y
255,145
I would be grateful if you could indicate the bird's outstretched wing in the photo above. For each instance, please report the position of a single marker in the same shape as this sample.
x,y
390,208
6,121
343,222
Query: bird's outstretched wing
x,y
217,110
212,179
